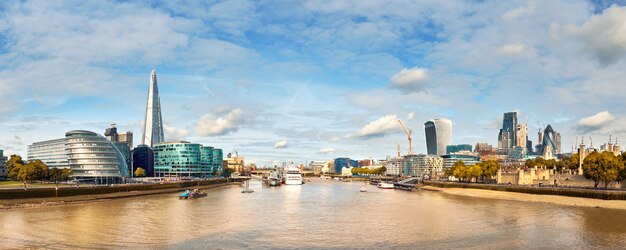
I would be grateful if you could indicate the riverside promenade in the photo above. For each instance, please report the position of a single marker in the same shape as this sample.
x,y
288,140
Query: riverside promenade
x,y
50,196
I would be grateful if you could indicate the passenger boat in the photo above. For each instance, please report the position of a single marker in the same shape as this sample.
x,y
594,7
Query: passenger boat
x,y
363,190
385,185
293,175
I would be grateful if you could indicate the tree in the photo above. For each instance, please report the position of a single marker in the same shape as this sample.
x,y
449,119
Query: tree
x,y
489,169
140,172
33,171
13,166
602,167
59,175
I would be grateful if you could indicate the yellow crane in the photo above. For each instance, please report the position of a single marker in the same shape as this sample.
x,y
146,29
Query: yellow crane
x,y
398,145
408,134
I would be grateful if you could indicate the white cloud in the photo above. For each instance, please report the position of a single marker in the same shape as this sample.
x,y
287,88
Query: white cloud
x,y
334,139
512,49
379,127
327,150
210,125
280,144
595,122
175,134
410,116
604,35
411,80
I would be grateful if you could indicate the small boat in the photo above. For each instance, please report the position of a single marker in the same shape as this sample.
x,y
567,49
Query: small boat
x,y
385,185
363,190
187,195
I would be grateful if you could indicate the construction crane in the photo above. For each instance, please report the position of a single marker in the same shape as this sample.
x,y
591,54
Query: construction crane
x,y
408,134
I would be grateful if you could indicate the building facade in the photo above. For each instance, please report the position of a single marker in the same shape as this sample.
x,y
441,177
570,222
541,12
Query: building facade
x,y
344,163
143,157
92,157
184,159
449,160
422,165
506,137
3,166
438,135
153,122
551,142
451,149
395,166
51,152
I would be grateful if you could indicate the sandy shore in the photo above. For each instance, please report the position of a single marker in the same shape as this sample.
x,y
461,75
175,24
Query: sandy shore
x,y
58,201
511,196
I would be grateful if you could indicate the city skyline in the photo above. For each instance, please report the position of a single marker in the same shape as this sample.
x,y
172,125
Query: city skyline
x,y
323,81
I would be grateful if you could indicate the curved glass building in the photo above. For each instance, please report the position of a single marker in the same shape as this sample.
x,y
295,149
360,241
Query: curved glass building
x,y
93,157
438,135
551,141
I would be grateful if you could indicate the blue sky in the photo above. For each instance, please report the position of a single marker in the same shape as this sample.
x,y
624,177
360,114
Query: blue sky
x,y
311,80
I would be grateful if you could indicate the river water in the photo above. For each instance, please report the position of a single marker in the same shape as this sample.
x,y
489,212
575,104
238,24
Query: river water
x,y
321,214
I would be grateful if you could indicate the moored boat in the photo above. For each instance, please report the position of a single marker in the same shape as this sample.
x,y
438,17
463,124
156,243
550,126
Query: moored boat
x,y
385,185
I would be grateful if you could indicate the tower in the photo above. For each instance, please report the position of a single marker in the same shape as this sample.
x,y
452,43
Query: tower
x,y
438,135
153,123
507,136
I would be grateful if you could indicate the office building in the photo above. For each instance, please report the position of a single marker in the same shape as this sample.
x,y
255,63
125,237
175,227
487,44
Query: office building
x,y
3,166
344,163
550,146
422,165
153,123
451,149
184,159
143,157
438,135
92,157
507,137
521,135
51,152
395,166
468,159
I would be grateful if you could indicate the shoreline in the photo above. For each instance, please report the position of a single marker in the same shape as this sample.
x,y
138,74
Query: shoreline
x,y
533,198
8,204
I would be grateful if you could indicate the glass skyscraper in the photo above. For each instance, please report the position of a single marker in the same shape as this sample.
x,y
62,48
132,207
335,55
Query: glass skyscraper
x,y
438,135
506,137
143,157
153,123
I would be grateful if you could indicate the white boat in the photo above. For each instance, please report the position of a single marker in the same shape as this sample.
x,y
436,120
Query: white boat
x,y
293,175
385,185
274,179
363,189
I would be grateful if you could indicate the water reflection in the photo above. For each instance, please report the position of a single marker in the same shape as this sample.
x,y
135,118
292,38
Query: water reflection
x,y
322,214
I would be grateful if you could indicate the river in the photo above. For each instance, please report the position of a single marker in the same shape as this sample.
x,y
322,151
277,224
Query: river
x,y
321,214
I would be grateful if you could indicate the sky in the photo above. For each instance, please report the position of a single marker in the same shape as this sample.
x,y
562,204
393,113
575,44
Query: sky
x,y
312,80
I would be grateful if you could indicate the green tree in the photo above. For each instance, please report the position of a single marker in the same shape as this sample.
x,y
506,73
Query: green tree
x,y
573,162
489,169
140,172
59,175
13,166
550,164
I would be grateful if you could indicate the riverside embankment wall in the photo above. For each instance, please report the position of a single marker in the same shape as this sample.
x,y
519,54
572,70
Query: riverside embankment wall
x,y
91,190
572,192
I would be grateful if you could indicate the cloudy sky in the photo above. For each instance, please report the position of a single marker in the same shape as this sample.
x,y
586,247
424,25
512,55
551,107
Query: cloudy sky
x,y
312,80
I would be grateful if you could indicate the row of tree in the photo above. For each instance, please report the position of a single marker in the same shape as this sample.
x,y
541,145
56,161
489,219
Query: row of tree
x,y
570,163
364,171
36,170
482,170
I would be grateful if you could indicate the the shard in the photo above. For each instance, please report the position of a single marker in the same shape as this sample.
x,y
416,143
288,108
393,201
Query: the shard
x,y
153,124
